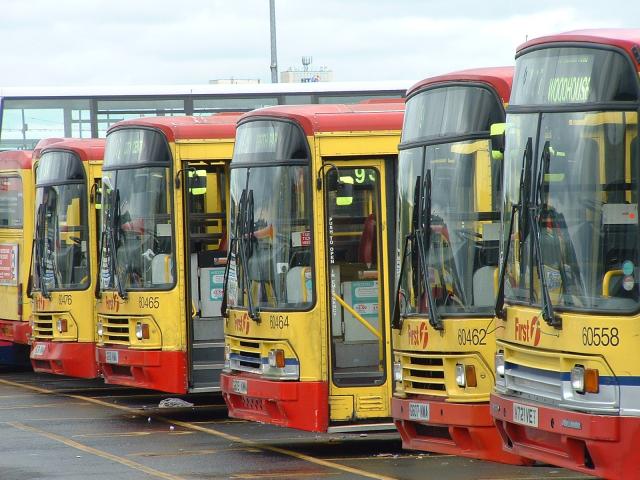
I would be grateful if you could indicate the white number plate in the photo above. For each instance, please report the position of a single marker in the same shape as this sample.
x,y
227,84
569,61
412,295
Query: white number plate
x,y
38,350
525,415
239,386
418,411
111,356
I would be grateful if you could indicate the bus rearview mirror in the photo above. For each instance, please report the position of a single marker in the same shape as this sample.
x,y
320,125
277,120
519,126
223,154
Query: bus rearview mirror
x,y
497,140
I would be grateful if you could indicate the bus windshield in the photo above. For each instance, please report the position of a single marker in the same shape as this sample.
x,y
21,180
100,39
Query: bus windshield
x,y
61,228
571,182
464,226
585,189
448,189
270,219
137,243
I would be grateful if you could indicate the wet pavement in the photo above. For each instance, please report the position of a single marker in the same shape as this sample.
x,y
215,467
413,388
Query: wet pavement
x,y
61,428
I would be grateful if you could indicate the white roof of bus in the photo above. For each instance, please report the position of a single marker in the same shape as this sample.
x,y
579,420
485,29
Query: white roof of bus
x,y
203,89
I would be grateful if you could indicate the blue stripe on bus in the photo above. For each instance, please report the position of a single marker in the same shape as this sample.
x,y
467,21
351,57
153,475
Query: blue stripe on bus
x,y
566,376
262,360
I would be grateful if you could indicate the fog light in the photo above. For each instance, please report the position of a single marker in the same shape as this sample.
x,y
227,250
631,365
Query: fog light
x,y
142,331
276,358
61,324
460,377
499,364
100,331
397,371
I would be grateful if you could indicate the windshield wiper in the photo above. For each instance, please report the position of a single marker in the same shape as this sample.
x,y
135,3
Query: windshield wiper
x,y
41,262
548,313
243,234
113,223
523,224
528,224
420,238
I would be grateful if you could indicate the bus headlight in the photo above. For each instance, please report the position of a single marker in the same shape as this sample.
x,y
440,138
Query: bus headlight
x,y
276,358
585,380
279,367
142,331
499,364
100,330
397,371
227,357
460,377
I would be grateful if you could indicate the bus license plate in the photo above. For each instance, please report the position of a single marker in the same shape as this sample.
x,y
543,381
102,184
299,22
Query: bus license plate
x,y
38,350
111,356
418,411
525,415
239,386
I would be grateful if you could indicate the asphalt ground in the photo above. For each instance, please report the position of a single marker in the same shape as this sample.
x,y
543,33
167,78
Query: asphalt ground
x,y
55,427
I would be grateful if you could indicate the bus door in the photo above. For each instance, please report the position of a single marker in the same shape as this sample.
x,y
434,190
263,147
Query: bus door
x,y
356,241
205,206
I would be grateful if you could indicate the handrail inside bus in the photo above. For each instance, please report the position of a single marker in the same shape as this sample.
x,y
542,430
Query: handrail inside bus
x,y
357,316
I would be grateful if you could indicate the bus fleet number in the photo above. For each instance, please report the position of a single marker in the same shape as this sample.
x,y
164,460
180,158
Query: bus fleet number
x,y
65,300
149,302
279,321
472,336
600,336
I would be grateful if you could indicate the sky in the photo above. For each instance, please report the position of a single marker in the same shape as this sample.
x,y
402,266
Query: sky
x,y
165,42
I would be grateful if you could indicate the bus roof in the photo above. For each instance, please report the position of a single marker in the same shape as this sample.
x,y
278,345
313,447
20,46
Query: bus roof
x,y
625,38
44,143
317,118
500,78
15,159
203,89
219,125
88,149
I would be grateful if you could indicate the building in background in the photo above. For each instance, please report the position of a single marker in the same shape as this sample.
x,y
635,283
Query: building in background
x,y
307,73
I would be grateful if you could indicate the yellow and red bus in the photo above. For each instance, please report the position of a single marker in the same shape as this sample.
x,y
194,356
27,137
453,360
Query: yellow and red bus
x,y
16,232
567,383
307,283
67,176
448,231
165,195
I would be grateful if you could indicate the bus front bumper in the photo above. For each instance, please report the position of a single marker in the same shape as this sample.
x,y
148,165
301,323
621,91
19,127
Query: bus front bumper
x,y
75,359
599,445
152,369
15,331
300,405
451,428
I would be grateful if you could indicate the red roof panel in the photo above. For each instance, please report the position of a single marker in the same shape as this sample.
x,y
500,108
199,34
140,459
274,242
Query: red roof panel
x,y
219,125
86,149
625,38
316,118
499,78
15,159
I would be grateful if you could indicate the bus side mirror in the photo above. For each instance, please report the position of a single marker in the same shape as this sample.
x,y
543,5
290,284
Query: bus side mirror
x,y
344,193
497,140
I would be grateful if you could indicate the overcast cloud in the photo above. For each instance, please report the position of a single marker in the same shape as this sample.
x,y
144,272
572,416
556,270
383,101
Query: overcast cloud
x,y
120,42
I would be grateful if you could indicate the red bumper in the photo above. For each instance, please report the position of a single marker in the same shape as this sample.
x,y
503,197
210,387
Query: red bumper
x,y
153,369
600,445
451,428
15,332
300,405
73,359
